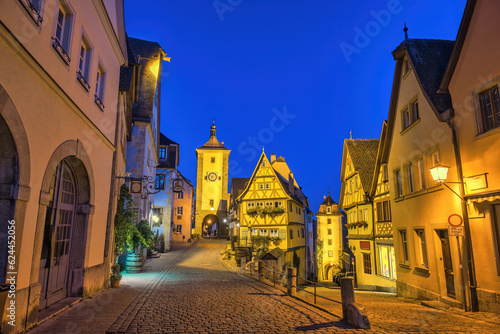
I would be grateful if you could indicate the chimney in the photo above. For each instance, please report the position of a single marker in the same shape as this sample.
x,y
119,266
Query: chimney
x,y
273,157
291,186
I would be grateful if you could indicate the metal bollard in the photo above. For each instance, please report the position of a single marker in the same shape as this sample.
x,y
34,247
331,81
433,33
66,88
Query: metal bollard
x,y
259,271
243,264
346,293
291,281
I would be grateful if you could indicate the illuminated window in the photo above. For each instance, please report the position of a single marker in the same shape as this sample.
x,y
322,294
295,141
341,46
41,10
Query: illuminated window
x,y
250,205
263,231
162,152
273,233
268,186
367,263
261,186
255,231
387,261
330,253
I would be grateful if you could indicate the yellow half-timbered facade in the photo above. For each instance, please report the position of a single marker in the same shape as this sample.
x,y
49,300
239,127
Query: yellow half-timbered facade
x,y
272,206
358,165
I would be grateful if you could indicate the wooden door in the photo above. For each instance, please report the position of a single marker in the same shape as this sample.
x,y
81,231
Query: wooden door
x,y
448,264
55,258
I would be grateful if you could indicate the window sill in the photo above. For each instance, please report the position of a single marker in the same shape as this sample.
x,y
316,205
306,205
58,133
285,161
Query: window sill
x,y
488,133
423,270
399,199
410,126
405,266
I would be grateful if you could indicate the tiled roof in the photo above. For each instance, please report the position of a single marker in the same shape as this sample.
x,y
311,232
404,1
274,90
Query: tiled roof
x,y
297,191
164,140
363,155
430,58
147,79
328,201
238,185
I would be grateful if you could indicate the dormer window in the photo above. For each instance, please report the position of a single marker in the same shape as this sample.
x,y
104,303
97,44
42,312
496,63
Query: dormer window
x,y
162,153
328,210
263,164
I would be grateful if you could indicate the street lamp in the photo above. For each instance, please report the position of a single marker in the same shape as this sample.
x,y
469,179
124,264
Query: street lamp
x,y
439,174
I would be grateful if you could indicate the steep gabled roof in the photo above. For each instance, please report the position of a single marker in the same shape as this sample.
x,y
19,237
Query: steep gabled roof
x,y
298,196
164,140
382,157
429,58
149,52
363,154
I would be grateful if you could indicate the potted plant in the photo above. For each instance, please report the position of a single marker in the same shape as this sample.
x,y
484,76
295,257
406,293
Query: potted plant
x,y
147,234
116,275
124,220
134,258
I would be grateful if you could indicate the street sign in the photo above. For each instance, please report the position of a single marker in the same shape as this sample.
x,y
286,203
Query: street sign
x,y
455,220
456,231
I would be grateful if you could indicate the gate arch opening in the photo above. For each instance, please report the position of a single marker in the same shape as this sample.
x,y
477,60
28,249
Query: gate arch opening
x,y
210,226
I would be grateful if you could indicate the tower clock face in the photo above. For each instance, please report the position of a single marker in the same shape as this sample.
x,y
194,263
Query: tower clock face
x,y
212,176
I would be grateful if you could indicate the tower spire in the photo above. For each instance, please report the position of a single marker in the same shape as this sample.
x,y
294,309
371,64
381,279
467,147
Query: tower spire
x,y
213,129
405,29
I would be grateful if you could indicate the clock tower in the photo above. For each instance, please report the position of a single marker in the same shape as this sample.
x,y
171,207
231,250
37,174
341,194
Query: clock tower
x,y
211,187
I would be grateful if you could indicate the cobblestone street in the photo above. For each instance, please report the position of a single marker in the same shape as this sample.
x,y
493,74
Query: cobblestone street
x,y
189,290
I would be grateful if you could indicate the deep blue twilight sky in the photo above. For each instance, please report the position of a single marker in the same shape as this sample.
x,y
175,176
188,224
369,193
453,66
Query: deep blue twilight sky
x,y
246,62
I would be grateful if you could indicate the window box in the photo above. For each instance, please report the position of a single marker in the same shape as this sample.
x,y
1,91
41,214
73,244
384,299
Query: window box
x,y
99,103
60,50
82,81
34,12
357,224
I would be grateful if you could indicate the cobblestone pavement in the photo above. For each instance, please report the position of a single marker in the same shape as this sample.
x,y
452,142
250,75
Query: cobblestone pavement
x,y
391,314
189,290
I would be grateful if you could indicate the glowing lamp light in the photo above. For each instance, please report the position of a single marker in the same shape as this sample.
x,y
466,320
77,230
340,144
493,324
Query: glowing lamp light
x,y
156,219
439,172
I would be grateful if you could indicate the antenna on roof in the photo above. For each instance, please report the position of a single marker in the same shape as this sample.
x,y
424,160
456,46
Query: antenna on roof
x,y
405,29
328,192
350,134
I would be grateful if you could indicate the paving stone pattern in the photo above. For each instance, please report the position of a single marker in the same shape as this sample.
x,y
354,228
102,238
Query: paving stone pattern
x,y
189,290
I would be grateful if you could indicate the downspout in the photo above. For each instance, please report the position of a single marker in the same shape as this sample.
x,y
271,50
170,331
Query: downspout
x,y
467,239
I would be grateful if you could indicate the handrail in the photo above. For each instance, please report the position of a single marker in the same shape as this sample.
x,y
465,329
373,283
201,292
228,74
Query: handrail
x,y
274,272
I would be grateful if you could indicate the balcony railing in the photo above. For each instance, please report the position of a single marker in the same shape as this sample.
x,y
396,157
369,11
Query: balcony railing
x,y
98,102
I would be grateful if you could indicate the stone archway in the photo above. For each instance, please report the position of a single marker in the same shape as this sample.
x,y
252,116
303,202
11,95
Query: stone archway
x,y
9,173
210,226
15,173
73,156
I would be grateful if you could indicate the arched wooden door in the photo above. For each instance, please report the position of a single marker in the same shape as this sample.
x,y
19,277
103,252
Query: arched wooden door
x,y
55,257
